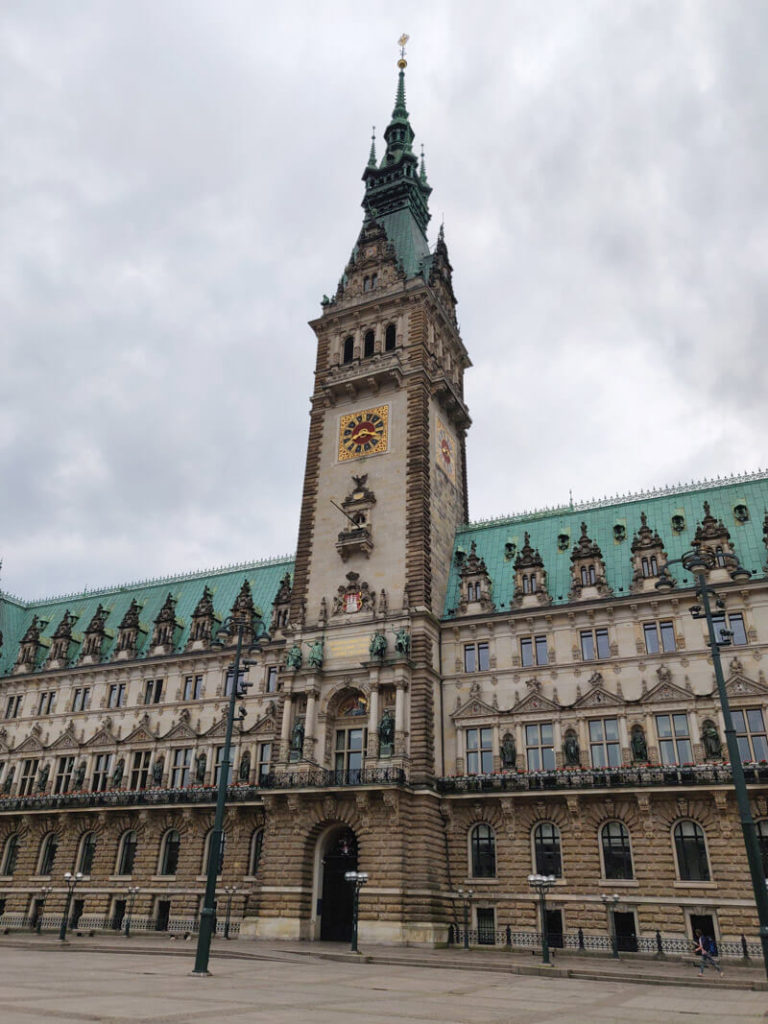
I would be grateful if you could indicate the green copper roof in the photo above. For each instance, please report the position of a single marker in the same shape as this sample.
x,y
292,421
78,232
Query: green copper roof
x,y
492,538
16,615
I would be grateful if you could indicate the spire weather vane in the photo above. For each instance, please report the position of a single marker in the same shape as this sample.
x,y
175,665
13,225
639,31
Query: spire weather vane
x,y
401,43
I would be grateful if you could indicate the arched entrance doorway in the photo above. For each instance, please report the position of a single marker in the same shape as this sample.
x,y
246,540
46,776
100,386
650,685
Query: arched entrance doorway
x,y
336,900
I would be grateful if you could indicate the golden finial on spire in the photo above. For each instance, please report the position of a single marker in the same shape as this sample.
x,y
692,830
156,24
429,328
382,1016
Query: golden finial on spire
x,y
402,63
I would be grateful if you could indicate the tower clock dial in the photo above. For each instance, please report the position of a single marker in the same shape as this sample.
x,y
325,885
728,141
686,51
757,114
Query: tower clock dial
x,y
445,451
363,433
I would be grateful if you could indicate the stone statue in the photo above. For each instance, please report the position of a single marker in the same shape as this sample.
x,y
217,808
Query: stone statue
x,y
297,738
386,731
201,763
315,659
638,744
157,771
293,657
713,748
571,748
245,767
403,641
42,778
378,645
117,774
9,779
79,777
508,751
383,603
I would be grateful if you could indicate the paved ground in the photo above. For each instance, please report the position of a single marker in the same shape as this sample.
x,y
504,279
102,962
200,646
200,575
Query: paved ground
x,y
94,980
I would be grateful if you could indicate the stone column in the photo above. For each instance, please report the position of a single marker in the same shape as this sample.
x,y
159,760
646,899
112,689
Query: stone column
x,y
285,731
624,744
557,742
400,688
373,722
310,724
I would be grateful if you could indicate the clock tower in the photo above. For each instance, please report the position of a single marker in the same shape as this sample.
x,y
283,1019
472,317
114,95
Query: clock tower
x,y
385,478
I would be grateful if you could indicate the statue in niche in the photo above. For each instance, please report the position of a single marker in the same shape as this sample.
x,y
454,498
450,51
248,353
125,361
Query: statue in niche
x,y
403,641
378,645
508,751
201,763
638,744
386,733
157,771
79,777
315,659
571,750
383,603
297,739
117,774
9,779
245,767
42,778
713,748
293,657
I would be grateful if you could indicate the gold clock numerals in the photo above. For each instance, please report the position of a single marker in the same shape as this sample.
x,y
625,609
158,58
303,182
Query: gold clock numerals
x,y
363,433
445,451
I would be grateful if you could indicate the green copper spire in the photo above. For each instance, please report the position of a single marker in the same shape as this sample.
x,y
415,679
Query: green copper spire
x,y
372,155
422,168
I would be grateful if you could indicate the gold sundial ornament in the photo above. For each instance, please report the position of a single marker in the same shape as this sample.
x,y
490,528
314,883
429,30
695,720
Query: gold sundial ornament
x,y
402,63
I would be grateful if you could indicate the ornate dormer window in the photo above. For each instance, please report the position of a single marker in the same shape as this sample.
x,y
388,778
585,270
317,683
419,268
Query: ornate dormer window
x,y
530,576
357,536
712,537
587,569
281,606
62,638
128,632
202,620
649,559
475,586
243,610
165,624
27,659
94,637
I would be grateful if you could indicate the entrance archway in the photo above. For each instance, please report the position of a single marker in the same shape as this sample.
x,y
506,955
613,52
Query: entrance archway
x,y
336,899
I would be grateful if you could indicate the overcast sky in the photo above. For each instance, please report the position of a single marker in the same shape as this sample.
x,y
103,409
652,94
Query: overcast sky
x,y
181,184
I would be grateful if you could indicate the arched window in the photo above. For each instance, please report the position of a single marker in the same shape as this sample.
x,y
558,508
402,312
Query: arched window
x,y
617,854
720,557
654,566
368,344
48,848
691,850
254,859
349,350
207,852
169,852
546,849
86,853
762,838
10,855
390,338
482,843
526,584
126,854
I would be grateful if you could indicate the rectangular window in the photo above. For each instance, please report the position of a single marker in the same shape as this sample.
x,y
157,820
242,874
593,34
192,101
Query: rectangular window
x,y
539,747
63,778
241,684
140,769
47,702
81,698
271,683
101,770
193,688
479,751
265,760
348,759
182,759
476,657
749,725
734,623
604,742
13,707
674,739
594,644
659,637
533,651
117,695
28,773
217,765
153,691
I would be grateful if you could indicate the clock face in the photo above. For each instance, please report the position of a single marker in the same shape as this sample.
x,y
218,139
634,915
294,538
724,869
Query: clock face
x,y
445,451
363,433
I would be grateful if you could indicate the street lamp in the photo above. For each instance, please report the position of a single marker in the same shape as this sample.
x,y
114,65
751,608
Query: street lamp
x,y
358,879
44,893
465,895
208,913
71,881
698,563
133,891
610,902
542,884
230,890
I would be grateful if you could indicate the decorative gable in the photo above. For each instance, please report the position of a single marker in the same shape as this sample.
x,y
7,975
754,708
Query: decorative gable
x,y
202,621
31,744
103,738
281,606
67,740
649,559
535,701
587,569
181,731
475,586
740,686
598,697
473,708
530,576
94,637
163,634
142,733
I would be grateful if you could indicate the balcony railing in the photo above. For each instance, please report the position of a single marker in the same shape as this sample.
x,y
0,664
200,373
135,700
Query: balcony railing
x,y
602,778
313,778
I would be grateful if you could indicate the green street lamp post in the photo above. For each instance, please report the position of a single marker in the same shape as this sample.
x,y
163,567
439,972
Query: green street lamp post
x,y
610,902
698,563
465,895
230,890
215,852
71,881
44,894
358,879
542,884
133,891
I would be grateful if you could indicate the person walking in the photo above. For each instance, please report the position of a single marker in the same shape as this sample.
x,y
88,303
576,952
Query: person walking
x,y
707,950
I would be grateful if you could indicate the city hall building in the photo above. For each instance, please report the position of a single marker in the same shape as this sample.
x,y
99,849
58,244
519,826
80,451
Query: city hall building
x,y
445,706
